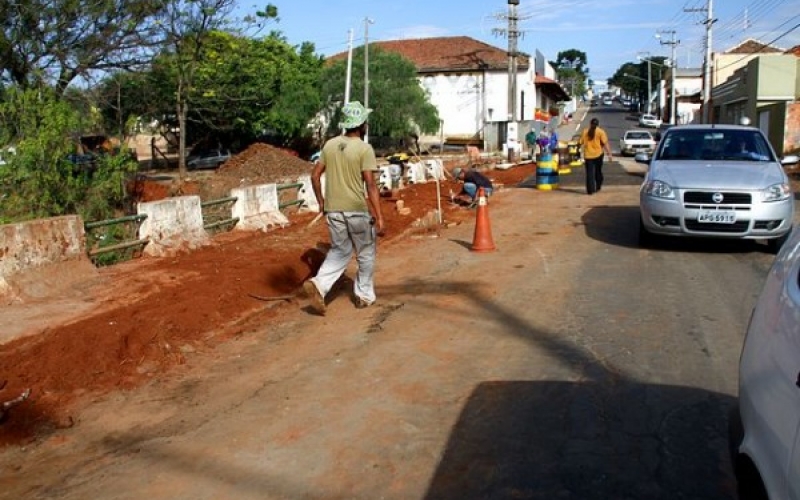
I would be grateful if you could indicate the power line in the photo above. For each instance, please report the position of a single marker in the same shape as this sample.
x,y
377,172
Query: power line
x,y
762,47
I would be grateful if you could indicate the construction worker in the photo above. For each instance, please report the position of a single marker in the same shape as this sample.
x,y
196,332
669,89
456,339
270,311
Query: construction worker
x,y
472,181
354,216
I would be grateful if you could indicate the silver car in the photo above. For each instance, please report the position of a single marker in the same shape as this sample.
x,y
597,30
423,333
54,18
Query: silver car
x,y
765,425
719,181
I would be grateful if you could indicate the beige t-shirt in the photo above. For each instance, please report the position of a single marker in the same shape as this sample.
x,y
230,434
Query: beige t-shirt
x,y
345,158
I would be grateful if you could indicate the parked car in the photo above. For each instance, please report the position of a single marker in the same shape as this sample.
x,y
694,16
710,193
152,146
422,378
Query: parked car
x,y
720,181
207,159
637,141
648,120
764,429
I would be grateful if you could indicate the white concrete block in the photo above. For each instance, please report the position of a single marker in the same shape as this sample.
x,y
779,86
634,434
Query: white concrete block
x,y
306,193
172,225
258,208
434,169
415,173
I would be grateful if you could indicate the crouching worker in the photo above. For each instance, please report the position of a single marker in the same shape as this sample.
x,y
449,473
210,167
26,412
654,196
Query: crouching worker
x,y
472,181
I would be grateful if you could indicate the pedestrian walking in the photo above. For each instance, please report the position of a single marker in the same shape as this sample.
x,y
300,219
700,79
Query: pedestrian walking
x,y
351,204
594,141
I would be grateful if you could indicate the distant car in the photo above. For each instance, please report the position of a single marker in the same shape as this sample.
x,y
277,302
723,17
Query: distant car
x,y
637,141
718,181
208,159
607,101
647,120
764,428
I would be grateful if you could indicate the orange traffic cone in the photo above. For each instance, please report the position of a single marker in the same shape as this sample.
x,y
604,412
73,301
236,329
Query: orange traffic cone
x,y
482,241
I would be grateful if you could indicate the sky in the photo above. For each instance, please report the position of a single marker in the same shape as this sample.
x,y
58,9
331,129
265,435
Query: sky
x,y
610,32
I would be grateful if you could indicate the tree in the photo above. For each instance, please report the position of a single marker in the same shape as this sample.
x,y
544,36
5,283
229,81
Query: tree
x,y
243,88
570,66
400,103
255,87
39,180
186,26
58,41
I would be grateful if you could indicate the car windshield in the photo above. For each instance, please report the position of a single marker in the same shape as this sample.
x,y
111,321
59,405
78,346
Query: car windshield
x,y
715,144
638,135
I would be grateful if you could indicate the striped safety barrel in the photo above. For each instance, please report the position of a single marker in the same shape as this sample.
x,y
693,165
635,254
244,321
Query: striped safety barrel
x,y
547,175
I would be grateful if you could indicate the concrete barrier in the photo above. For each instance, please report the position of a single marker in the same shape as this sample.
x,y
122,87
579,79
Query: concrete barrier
x,y
258,208
40,258
172,225
306,193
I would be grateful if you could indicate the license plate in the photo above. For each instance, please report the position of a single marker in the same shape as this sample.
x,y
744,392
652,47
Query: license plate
x,y
717,216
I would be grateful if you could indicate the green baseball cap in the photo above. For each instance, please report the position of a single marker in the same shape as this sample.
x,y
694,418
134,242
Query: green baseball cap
x,y
354,115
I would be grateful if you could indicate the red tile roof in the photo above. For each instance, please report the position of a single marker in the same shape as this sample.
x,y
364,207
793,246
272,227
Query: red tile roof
x,y
751,46
794,50
455,53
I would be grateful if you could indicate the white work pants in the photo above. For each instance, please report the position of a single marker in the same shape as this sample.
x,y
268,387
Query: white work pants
x,y
349,231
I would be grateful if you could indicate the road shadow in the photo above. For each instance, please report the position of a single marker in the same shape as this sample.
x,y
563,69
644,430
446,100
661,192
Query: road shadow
x,y
619,225
597,440
607,436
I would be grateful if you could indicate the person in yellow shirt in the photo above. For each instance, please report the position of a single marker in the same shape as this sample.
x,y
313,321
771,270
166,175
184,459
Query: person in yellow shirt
x,y
594,141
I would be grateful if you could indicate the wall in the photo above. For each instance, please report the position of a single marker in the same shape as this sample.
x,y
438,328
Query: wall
x,y
465,101
791,138
39,257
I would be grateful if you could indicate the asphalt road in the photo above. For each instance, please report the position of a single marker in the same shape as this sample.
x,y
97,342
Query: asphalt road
x,y
568,364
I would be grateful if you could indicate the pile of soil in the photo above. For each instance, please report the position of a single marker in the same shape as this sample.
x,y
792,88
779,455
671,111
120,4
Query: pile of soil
x,y
258,164
150,314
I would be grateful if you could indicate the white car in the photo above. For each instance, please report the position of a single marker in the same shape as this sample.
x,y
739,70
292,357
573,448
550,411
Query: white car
x,y
647,120
765,428
637,141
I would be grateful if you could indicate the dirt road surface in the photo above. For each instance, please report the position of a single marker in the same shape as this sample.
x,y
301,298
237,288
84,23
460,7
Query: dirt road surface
x,y
567,364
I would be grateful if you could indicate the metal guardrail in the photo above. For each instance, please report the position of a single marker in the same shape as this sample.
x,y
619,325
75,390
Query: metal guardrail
x,y
113,244
284,187
219,215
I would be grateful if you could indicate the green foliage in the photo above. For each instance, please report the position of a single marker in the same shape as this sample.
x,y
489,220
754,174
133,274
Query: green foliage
x,y
570,66
251,87
39,181
631,78
53,42
399,102
241,88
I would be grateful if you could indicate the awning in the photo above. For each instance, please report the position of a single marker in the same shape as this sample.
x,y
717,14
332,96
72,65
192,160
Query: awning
x,y
551,88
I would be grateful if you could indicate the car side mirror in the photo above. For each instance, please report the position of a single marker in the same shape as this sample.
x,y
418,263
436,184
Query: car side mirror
x,y
642,158
790,160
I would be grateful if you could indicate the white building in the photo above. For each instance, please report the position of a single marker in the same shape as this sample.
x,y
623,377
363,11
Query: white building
x,y
468,83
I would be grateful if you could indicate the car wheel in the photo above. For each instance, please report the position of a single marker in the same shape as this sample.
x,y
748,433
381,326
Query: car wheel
x,y
774,245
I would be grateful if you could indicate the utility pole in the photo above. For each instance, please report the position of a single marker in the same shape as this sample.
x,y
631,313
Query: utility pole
x,y
707,63
513,34
349,68
673,69
707,73
367,22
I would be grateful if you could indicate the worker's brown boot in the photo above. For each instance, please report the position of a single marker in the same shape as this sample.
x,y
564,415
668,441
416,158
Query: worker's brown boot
x,y
317,300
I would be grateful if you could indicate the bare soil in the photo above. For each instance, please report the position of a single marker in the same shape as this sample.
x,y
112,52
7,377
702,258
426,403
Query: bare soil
x,y
146,315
